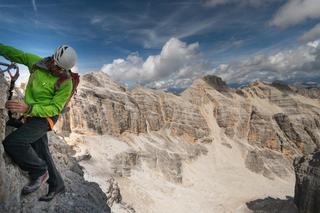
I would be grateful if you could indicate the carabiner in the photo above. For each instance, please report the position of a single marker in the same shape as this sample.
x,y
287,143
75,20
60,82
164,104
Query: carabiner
x,y
8,68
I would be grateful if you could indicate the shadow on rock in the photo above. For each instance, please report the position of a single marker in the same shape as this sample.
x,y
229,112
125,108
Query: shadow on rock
x,y
273,205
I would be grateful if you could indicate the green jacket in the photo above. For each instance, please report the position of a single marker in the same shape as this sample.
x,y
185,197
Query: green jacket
x,y
40,91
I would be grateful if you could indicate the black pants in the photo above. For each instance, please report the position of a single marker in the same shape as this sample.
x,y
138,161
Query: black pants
x,y
28,147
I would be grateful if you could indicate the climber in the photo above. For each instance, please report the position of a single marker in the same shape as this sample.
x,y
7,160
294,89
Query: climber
x,y
50,87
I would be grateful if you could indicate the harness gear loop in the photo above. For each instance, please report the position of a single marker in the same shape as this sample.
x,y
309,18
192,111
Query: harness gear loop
x,y
51,123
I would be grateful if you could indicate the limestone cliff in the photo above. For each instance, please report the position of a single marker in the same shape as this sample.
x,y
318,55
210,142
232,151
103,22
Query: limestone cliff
x,y
193,140
276,119
307,189
80,196
282,119
104,107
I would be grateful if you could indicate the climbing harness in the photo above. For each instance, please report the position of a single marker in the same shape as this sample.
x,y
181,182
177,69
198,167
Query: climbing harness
x,y
9,68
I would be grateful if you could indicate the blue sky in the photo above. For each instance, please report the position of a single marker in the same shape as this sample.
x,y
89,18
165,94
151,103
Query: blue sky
x,y
126,39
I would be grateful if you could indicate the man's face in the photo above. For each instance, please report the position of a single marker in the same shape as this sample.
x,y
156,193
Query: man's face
x,y
53,67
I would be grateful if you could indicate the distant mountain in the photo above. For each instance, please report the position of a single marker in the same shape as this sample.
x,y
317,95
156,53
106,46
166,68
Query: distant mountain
x,y
175,90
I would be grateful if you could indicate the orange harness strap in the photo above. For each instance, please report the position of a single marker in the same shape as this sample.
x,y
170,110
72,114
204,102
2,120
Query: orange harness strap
x,y
51,123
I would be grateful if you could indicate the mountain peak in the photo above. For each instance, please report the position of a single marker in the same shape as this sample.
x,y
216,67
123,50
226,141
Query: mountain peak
x,y
256,83
280,85
102,80
216,82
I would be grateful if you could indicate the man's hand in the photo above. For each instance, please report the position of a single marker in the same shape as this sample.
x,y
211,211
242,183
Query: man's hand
x,y
17,106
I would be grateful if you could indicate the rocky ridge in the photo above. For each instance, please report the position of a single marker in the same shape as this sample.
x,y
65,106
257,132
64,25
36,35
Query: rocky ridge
x,y
104,107
269,124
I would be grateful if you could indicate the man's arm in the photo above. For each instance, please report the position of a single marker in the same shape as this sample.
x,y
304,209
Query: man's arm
x,y
57,103
19,56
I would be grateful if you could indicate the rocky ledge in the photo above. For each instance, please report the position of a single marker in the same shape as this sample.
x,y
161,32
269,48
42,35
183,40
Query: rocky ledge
x,y
307,189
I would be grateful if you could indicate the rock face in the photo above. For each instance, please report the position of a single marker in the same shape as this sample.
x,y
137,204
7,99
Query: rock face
x,y
287,120
166,158
104,107
273,205
80,196
113,192
268,124
216,82
307,189
273,116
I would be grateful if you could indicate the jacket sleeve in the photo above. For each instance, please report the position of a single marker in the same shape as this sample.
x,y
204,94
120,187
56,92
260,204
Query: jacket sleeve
x,y
57,103
19,56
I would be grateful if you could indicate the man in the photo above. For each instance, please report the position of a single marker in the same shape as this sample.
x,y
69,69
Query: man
x,y
42,104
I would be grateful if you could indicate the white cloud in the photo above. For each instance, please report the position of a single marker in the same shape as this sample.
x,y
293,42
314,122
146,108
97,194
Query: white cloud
x,y
255,3
296,11
125,69
97,19
157,36
34,6
178,64
171,83
303,61
312,34
314,44
177,60
213,3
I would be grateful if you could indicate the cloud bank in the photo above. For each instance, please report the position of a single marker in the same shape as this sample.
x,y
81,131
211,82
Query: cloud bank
x,y
176,64
312,34
296,11
254,3
296,64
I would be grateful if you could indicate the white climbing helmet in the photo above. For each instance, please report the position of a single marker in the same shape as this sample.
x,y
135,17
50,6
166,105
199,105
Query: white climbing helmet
x,y
65,57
